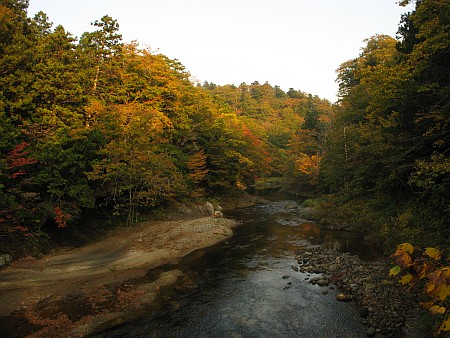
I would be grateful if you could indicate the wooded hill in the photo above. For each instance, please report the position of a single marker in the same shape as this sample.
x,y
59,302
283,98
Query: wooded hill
x,y
99,124
95,123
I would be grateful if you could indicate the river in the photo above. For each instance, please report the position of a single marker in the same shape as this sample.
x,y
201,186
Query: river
x,y
247,286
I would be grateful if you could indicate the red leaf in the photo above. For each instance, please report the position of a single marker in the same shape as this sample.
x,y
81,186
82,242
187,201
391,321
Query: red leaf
x,y
402,258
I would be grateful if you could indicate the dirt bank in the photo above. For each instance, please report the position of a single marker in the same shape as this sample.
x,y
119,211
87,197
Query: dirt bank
x,y
89,289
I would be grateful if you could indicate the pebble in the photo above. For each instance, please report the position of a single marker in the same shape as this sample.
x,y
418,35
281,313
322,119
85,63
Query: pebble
x,y
323,282
343,297
364,312
384,303
371,332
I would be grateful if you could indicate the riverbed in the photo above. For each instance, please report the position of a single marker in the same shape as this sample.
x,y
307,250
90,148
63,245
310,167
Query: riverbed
x,y
250,285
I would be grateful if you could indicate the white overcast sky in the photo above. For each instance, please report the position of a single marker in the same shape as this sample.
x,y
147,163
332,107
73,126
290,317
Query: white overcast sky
x,y
291,43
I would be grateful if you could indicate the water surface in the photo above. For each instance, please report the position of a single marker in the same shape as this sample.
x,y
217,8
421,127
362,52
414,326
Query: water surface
x,y
247,287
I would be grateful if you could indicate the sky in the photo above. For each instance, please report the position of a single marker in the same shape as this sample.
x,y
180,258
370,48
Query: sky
x,y
290,43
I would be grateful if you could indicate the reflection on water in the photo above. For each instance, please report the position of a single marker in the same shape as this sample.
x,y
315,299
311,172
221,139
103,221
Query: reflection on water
x,y
246,286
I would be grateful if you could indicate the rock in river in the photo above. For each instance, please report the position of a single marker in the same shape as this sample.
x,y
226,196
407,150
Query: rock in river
x,y
343,297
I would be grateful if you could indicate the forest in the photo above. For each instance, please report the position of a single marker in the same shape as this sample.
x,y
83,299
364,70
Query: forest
x,y
99,125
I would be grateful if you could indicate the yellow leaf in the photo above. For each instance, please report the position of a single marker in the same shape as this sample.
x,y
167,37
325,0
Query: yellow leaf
x,y
394,271
436,309
442,292
445,326
406,279
433,253
406,247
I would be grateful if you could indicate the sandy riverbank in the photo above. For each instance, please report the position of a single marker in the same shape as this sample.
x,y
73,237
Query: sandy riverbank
x,y
103,284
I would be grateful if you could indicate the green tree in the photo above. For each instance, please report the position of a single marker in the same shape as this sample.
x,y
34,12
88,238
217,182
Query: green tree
x,y
389,143
101,55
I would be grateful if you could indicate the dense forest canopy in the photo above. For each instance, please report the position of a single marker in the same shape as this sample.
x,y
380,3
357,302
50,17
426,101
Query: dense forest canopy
x,y
388,162
97,122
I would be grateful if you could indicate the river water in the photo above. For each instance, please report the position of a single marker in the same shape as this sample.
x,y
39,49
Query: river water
x,y
247,287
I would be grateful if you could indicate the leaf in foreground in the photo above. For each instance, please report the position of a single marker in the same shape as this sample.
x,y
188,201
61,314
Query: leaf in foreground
x,y
394,271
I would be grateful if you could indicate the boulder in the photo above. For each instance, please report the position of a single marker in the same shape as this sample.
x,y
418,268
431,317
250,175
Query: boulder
x,y
217,214
210,208
5,260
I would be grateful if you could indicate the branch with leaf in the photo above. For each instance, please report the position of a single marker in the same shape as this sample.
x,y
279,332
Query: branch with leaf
x,y
428,269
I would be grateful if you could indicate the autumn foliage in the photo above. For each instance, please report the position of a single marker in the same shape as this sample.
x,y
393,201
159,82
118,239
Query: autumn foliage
x,y
428,270
387,148
94,123
17,159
